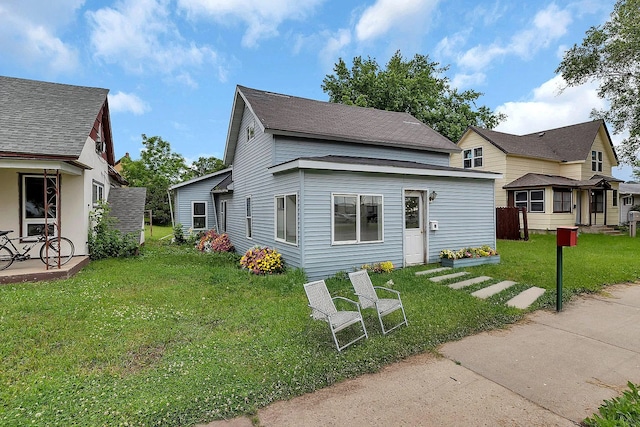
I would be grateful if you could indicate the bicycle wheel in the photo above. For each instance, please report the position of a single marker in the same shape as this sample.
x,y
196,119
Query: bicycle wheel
x,y
6,258
53,249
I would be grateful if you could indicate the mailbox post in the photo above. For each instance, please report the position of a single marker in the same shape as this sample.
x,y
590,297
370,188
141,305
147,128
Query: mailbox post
x,y
565,236
634,217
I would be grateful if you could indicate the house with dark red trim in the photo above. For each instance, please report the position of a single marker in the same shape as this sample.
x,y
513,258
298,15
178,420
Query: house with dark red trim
x,y
56,158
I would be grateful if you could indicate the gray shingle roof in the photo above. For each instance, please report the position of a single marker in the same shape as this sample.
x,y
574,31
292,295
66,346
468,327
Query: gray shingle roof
x,y
50,119
290,115
531,180
629,188
350,160
127,206
568,143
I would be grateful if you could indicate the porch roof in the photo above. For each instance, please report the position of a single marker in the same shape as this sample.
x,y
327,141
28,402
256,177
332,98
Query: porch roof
x,y
541,180
64,165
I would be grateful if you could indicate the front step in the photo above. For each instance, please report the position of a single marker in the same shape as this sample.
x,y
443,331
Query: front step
x,y
525,298
469,282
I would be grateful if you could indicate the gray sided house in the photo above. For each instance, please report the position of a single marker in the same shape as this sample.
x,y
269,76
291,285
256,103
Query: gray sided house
x,y
333,187
629,194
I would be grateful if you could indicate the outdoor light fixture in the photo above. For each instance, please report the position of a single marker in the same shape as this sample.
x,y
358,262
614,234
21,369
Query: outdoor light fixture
x,y
432,196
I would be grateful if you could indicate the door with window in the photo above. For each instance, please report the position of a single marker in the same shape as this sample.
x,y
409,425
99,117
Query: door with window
x,y
39,204
414,236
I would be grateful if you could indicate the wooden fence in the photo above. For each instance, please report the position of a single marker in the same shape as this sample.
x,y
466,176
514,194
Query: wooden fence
x,y
508,224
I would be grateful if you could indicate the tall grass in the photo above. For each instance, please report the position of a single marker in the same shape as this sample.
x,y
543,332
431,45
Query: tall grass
x,y
176,337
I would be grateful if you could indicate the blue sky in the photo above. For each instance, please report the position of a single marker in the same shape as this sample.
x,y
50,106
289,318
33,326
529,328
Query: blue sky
x,y
172,65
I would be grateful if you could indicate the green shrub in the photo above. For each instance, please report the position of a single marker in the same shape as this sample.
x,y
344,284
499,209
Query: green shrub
x,y
107,242
620,411
178,234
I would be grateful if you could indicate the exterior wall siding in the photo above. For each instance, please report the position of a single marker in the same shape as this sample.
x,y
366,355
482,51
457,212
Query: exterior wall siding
x,y
493,160
196,192
252,178
463,207
290,148
608,160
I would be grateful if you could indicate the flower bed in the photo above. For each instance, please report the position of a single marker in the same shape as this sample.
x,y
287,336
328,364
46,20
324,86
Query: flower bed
x,y
214,242
467,257
261,260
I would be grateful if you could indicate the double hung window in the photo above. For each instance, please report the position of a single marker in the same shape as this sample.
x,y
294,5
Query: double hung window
x,y
533,200
472,158
199,215
287,218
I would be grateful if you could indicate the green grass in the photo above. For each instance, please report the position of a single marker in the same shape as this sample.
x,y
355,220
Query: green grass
x,y
176,337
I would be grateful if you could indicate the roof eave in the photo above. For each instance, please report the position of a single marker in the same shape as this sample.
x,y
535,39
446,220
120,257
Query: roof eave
x,y
345,167
338,138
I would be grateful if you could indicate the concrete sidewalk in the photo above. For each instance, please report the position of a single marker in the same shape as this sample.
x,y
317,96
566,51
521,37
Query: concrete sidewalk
x,y
553,369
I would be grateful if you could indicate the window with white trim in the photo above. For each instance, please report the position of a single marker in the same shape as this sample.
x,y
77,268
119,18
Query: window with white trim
x,y
35,202
287,218
199,215
562,200
596,161
627,200
223,216
251,131
249,217
472,158
357,218
97,192
614,200
533,200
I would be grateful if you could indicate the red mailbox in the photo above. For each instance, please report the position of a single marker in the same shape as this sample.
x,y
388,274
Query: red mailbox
x,y
567,236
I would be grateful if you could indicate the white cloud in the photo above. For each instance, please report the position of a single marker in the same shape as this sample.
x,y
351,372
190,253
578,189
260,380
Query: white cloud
x,y
261,17
385,15
28,34
449,46
123,102
462,80
140,36
548,108
334,46
547,26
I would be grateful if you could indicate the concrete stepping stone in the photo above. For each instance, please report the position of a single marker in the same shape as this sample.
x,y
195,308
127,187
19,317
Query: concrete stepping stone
x,y
525,298
447,276
469,282
433,270
493,289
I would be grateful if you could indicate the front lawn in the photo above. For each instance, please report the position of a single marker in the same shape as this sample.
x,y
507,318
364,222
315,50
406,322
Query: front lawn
x,y
176,337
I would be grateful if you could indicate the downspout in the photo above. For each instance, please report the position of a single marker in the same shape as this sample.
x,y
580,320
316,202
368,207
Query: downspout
x,y
173,224
215,211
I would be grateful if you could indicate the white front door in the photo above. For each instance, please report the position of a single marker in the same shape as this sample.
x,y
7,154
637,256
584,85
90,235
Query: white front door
x,y
414,237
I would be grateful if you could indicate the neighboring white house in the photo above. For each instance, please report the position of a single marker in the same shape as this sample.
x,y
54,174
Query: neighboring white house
x,y
56,156
629,194
333,186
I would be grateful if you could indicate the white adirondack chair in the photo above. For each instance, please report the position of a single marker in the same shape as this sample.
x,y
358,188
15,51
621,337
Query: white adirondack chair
x,y
324,308
368,297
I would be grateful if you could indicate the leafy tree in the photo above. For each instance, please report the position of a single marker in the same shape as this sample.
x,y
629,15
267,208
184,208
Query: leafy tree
x,y
610,55
204,166
414,86
157,169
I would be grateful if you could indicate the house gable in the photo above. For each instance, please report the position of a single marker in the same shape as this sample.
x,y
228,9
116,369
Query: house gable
x,y
48,120
306,119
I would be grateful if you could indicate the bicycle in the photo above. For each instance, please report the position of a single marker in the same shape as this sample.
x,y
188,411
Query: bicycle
x,y
53,250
